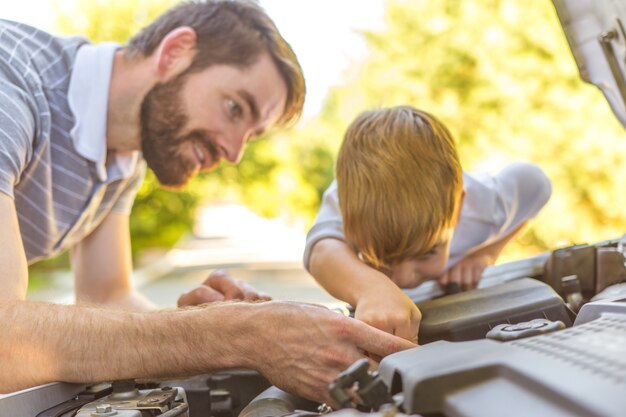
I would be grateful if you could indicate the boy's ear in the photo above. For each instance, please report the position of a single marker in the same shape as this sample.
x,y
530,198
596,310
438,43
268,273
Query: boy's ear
x,y
175,52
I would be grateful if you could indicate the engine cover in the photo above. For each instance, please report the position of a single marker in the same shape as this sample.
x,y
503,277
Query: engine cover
x,y
579,371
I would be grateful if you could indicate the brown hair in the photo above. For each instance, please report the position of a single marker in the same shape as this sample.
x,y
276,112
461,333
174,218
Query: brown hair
x,y
231,32
399,182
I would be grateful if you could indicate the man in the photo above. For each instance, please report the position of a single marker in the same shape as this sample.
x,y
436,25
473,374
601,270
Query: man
x,y
188,91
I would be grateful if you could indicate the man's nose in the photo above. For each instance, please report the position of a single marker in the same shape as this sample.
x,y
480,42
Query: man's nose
x,y
236,145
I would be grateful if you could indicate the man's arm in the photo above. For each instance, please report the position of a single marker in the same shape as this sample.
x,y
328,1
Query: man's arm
x,y
377,300
13,265
102,267
298,347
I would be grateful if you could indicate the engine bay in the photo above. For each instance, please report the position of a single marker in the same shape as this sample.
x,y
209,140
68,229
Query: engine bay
x,y
542,336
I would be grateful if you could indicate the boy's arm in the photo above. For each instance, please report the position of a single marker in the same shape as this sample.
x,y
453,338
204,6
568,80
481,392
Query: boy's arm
x,y
377,300
518,193
468,271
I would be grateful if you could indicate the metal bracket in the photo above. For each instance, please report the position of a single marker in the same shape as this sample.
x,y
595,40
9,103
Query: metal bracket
x,y
357,387
606,42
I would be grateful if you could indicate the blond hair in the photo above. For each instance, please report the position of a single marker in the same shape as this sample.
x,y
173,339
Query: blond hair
x,y
399,182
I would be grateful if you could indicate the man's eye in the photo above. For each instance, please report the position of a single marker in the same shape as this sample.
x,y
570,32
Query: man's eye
x,y
234,109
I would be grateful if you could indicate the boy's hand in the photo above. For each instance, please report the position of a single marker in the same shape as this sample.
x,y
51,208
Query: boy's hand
x,y
220,286
390,310
467,272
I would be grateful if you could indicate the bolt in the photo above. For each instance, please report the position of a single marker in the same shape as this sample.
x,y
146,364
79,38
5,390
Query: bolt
x,y
606,37
103,408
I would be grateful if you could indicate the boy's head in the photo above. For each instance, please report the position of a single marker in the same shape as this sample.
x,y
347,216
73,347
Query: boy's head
x,y
400,190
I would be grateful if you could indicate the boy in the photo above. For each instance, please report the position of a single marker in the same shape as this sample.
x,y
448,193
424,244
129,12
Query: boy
x,y
402,211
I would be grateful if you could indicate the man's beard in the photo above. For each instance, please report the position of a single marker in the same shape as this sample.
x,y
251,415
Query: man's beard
x,y
162,123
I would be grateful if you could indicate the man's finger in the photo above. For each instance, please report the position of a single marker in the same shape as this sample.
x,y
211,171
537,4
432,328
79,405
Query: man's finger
x,y
376,341
224,284
215,274
199,295
248,292
263,296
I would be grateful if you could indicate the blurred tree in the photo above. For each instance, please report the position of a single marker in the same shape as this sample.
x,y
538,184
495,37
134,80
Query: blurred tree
x,y
500,74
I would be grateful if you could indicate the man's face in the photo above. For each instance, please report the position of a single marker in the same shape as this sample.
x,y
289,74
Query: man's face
x,y
191,123
412,272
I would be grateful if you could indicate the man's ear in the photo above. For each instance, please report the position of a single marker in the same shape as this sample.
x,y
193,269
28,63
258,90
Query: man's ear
x,y
175,52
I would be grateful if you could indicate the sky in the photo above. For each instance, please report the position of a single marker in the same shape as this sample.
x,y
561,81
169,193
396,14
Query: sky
x,y
323,33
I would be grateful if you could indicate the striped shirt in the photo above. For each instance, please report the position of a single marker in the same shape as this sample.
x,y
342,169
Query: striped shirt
x,y
62,192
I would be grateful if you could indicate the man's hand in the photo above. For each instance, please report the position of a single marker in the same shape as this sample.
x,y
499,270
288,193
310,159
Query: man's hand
x,y
389,309
467,272
219,286
301,348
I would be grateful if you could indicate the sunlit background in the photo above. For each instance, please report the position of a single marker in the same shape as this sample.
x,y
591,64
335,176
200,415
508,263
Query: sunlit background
x,y
498,73
325,33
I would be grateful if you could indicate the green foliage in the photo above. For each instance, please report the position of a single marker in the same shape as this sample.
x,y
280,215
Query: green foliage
x,y
501,76
107,20
159,216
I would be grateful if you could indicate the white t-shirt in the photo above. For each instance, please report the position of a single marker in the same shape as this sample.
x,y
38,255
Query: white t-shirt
x,y
494,206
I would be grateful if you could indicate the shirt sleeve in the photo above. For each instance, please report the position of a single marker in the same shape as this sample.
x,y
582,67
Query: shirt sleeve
x,y
17,130
124,203
494,206
523,189
328,223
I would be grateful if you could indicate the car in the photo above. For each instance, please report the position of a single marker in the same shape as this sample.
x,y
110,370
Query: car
x,y
542,336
